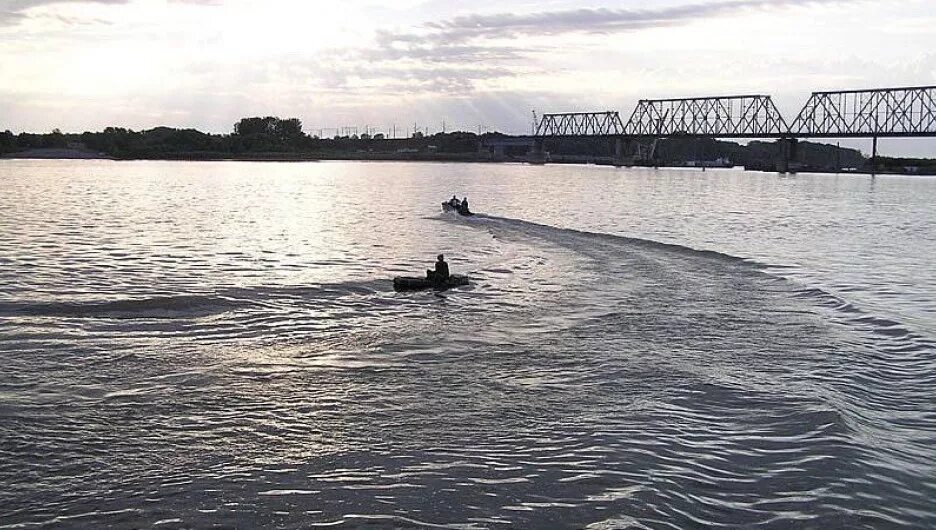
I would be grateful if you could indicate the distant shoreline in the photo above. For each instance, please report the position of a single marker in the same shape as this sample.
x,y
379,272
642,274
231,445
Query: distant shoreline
x,y
57,154
77,154
272,139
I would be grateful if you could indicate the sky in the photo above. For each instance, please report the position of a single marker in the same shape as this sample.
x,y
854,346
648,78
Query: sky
x,y
87,64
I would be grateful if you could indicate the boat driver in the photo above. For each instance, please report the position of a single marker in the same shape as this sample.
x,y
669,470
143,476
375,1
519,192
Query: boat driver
x,y
441,272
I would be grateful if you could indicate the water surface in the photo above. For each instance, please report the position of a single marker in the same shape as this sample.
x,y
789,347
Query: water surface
x,y
190,345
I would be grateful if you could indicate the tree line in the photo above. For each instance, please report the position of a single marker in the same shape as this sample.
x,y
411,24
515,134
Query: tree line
x,y
255,135
272,138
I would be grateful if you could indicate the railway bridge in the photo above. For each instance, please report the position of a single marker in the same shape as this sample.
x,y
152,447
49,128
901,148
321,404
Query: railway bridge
x,y
876,113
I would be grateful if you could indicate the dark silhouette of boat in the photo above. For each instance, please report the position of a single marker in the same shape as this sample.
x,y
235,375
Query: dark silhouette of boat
x,y
458,208
404,284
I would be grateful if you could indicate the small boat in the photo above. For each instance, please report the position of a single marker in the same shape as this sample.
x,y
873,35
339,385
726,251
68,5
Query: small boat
x,y
459,209
424,284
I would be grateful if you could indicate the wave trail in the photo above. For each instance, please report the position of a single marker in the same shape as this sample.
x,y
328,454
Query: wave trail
x,y
151,307
182,306
585,241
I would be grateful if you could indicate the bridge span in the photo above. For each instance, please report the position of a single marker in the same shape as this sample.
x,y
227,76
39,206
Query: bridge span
x,y
906,112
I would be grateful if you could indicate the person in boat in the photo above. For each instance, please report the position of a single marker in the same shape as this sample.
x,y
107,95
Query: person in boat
x,y
454,202
464,206
441,273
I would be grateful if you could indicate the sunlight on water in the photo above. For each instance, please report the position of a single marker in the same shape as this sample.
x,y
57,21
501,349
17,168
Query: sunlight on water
x,y
219,344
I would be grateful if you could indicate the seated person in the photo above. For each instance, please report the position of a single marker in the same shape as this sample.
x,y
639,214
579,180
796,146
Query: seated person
x,y
441,272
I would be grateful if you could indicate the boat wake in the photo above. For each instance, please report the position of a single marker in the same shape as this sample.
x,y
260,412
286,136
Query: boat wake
x,y
593,241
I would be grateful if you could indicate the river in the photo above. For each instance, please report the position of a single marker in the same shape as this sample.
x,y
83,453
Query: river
x,y
194,345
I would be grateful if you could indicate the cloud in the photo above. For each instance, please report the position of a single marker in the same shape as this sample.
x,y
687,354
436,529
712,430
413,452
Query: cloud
x,y
598,20
22,5
464,42
489,68
13,12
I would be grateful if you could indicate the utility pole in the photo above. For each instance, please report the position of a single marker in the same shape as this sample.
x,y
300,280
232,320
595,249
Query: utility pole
x,y
874,148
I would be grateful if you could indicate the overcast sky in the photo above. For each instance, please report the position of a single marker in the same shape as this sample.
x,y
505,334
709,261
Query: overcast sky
x,y
84,65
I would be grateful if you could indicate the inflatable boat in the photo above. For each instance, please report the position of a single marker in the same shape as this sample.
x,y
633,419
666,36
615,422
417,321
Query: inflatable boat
x,y
423,284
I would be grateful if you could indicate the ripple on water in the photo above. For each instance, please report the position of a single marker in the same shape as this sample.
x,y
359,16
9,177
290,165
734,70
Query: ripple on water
x,y
235,355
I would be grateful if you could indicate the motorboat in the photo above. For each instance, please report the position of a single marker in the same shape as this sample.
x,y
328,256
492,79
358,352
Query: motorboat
x,y
456,207
403,283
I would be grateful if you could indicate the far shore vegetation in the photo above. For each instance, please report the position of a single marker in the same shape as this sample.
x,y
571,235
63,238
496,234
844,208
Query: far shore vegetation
x,y
272,138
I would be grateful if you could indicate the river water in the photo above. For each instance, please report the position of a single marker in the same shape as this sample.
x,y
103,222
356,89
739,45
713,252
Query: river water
x,y
192,345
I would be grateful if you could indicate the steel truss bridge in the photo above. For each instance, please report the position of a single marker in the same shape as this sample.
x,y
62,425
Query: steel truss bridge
x,y
891,112
878,113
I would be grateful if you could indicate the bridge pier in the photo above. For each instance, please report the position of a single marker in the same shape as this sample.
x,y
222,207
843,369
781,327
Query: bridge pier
x,y
537,152
619,152
874,156
788,153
